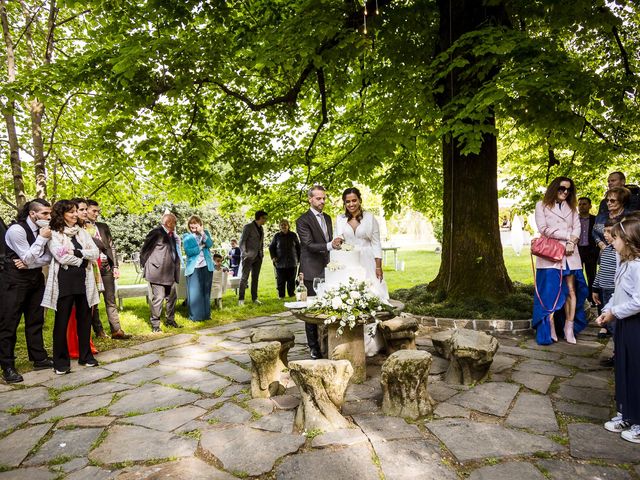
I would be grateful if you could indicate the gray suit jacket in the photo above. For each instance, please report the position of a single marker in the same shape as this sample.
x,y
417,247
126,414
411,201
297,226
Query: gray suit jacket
x,y
314,255
252,241
159,258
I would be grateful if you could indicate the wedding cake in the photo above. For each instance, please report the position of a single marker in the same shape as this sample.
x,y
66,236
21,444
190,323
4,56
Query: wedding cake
x,y
343,265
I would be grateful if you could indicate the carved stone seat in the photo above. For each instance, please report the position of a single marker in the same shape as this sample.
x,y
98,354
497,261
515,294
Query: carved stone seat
x,y
276,334
399,333
405,379
322,385
471,355
442,342
265,371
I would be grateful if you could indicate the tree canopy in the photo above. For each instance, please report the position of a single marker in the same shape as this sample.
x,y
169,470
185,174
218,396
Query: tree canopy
x,y
253,101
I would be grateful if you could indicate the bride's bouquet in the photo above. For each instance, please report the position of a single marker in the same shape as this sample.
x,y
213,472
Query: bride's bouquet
x,y
347,305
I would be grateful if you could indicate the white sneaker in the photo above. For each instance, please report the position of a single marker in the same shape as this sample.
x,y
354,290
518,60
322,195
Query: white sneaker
x,y
240,303
617,426
632,435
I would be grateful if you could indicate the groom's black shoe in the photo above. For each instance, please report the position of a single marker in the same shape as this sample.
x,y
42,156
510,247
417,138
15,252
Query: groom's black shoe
x,y
11,375
315,354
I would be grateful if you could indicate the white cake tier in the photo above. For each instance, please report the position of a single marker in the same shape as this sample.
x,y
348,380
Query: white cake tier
x,y
335,278
345,258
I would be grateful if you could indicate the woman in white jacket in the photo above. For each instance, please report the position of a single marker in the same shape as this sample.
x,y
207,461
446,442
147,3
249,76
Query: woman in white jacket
x,y
70,282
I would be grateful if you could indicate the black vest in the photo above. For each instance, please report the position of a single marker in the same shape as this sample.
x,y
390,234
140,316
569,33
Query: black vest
x,y
14,275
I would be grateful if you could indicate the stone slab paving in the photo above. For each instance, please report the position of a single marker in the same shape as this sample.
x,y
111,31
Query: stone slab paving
x,y
533,381
469,440
354,462
533,412
73,407
132,364
9,421
146,374
601,414
590,442
116,354
416,459
187,468
151,397
166,420
493,398
126,443
592,396
196,420
81,376
232,371
25,398
507,471
196,380
167,342
343,437
38,473
380,428
279,422
230,447
545,368
16,446
94,389
563,470
65,443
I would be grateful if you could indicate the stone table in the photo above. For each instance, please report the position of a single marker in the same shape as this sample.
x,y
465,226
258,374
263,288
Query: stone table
x,y
349,345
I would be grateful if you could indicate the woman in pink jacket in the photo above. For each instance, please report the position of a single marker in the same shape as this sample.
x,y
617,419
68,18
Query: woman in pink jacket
x,y
560,286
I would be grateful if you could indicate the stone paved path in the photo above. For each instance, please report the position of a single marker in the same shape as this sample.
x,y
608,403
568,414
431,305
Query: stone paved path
x,y
179,407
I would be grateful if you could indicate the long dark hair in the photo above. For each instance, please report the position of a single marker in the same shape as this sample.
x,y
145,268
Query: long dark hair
x,y
551,195
61,207
356,192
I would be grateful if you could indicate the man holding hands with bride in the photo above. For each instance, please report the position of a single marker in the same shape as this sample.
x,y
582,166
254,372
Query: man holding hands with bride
x,y
315,232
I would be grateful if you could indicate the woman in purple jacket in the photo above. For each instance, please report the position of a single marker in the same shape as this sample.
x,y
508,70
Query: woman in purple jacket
x,y
560,286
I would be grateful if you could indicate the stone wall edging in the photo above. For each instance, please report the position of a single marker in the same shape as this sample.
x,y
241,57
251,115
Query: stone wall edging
x,y
485,325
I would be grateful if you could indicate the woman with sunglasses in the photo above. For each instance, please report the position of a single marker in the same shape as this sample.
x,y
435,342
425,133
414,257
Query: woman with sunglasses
x,y
617,199
560,286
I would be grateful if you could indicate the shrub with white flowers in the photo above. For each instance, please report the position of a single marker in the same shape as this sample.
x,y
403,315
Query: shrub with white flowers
x,y
347,304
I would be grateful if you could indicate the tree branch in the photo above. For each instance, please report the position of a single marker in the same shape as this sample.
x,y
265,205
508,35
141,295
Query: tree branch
x,y
623,52
288,98
8,202
194,113
55,124
325,118
72,17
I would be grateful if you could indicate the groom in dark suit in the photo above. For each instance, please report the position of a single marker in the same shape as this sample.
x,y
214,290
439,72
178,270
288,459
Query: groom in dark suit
x,y
160,262
315,231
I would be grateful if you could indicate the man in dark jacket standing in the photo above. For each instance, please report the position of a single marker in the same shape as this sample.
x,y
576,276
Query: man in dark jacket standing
x,y
586,244
252,248
160,261
285,255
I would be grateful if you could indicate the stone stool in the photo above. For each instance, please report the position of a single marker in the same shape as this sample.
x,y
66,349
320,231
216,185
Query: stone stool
x,y
322,385
405,379
265,374
471,356
399,333
442,342
276,334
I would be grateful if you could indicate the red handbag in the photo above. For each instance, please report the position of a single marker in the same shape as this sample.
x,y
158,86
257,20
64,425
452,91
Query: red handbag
x,y
547,248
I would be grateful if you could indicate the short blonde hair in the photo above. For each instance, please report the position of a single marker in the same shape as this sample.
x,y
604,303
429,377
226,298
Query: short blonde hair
x,y
194,219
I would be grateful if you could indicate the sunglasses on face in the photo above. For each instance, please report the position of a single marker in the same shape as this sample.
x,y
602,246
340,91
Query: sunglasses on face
x,y
612,200
563,189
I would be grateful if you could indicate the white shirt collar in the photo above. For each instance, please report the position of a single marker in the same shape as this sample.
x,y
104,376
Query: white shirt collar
x,y
315,212
32,225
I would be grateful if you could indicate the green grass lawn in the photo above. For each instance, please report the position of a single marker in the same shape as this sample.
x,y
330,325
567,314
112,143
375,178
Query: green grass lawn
x,y
420,267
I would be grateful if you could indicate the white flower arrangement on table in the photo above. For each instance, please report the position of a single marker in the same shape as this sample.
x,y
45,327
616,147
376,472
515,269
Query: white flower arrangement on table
x,y
347,304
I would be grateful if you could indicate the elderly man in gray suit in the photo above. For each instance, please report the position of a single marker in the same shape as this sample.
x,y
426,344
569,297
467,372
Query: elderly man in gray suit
x,y
252,250
160,260
315,232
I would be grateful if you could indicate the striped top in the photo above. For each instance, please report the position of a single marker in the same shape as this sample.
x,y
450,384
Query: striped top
x,y
605,278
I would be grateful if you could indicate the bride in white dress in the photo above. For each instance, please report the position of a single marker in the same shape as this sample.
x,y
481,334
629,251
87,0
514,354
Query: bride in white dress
x,y
360,228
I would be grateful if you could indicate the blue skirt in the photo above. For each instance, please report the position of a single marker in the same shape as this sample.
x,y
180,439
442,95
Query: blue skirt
x,y
199,294
548,283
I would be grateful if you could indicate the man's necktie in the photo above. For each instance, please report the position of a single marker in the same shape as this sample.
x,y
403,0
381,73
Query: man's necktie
x,y
324,226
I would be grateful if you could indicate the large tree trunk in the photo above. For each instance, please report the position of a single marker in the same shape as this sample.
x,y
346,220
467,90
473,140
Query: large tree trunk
x,y
472,262
8,112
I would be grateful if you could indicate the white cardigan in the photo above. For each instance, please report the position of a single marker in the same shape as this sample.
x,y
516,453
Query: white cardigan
x,y
61,250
